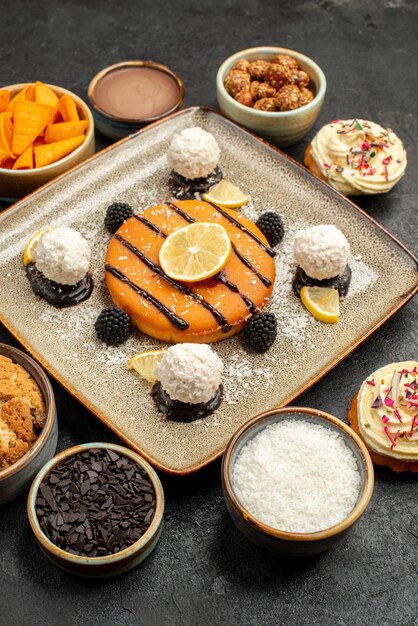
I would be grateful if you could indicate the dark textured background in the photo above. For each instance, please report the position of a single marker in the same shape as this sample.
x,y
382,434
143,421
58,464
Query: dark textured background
x,y
203,571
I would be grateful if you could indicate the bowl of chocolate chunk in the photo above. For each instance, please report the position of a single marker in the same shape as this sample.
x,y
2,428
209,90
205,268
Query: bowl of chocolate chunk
x,y
275,92
28,422
96,509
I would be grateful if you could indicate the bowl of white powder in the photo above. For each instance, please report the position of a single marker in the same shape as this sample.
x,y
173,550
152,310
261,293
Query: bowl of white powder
x,y
295,480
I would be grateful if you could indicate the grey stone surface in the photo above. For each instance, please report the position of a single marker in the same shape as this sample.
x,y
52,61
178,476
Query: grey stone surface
x,y
203,571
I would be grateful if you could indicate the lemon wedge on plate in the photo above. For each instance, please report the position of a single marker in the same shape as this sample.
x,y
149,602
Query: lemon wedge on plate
x,y
323,303
29,251
195,252
145,364
226,195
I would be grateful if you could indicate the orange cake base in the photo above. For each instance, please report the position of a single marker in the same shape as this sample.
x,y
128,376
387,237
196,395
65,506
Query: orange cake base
x,y
174,312
379,459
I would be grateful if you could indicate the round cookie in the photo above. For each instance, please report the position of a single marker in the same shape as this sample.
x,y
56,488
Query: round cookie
x,y
175,312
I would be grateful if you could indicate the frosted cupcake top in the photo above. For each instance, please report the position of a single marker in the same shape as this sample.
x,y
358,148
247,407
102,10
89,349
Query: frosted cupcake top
x,y
359,157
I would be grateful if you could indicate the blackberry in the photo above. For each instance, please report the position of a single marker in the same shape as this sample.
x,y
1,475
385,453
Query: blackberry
x,y
113,326
271,225
116,214
260,333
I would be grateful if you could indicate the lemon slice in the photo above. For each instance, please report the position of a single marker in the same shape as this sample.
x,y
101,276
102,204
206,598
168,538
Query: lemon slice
x,y
226,194
195,252
29,251
323,303
145,364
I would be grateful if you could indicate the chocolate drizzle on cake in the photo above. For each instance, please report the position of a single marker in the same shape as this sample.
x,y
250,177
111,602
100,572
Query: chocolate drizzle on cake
x,y
341,282
183,411
150,225
56,294
222,321
177,321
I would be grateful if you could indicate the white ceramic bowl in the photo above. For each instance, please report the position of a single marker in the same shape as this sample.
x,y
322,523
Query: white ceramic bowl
x,y
282,128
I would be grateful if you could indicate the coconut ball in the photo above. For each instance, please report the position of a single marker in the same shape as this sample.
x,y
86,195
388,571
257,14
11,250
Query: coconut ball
x,y
321,251
190,372
193,153
63,255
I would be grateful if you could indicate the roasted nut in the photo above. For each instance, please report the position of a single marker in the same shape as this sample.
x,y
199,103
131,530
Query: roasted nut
x,y
266,104
245,97
286,60
243,65
305,97
288,98
258,69
299,78
236,81
253,88
277,75
263,90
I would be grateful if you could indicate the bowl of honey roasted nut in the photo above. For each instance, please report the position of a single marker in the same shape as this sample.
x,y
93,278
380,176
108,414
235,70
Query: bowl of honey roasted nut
x,y
275,92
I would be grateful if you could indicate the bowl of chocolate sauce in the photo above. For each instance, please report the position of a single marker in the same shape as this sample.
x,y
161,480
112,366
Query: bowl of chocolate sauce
x,y
128,95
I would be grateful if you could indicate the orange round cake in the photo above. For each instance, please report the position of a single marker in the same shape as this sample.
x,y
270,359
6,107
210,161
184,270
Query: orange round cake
x,y
175,312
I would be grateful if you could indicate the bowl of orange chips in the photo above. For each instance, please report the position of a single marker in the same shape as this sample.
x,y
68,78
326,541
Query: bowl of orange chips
x,y
44,131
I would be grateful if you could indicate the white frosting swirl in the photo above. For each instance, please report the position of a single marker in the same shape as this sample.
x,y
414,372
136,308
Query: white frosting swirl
x,y
359,157
387,410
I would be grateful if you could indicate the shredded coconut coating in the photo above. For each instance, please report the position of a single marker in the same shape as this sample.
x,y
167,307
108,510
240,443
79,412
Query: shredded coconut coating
x,y
190,372
321,251
297,476
193,153
63,255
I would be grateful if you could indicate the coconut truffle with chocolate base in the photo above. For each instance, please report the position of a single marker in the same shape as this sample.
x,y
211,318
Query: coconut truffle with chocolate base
x,y
63,256
193,153
321,251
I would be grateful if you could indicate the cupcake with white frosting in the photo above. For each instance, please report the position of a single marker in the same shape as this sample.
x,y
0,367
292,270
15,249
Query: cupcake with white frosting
x,y
357,157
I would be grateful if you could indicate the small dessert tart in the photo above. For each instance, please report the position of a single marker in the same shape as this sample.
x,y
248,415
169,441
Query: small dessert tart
x,y
193,155
322,253
357,157
57,262
178,311
189,382
385,415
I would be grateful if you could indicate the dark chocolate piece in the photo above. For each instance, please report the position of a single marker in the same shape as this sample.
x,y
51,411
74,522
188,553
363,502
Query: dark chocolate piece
x,y
341,282
183,411
58,295
185,188
95,503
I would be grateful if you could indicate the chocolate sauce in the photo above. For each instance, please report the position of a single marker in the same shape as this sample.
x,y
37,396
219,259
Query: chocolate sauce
x,y
233,287
266,281
186,188
150,225
180,212
341,282
221,320
183,411
58,295
177,321
245,230
136,93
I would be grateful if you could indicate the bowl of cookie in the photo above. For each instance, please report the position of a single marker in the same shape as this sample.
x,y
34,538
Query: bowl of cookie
x,y
275,92
28,422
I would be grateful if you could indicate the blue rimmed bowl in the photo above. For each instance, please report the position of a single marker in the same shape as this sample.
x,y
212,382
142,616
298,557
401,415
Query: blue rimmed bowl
x,y
16,479
282,128
104,566
281,541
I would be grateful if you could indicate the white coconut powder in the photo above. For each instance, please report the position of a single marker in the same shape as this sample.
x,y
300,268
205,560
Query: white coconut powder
x,y
297,476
